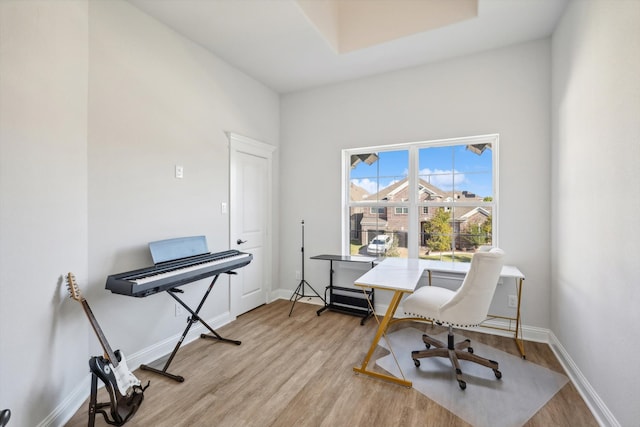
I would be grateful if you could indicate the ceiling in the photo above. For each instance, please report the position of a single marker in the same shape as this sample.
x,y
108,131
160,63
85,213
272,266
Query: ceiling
x,y
284,45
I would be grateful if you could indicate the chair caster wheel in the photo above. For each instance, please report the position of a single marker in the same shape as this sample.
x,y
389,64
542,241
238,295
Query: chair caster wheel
x,y
470,350
497,373
416,362
462,384
424,340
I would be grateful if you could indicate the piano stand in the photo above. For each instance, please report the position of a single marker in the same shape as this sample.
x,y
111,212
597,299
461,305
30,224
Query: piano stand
x,y
216,336
193,319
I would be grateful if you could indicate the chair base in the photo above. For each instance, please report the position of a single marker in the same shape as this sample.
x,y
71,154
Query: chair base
x,y
454,351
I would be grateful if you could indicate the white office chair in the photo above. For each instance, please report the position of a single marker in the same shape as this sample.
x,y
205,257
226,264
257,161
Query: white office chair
x,y
468,306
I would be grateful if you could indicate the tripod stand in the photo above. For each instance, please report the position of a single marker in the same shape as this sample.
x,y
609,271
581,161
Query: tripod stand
x,y
299,292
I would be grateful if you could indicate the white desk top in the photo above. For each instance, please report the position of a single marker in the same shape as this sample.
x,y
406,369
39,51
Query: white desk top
x,y
395,274
403,274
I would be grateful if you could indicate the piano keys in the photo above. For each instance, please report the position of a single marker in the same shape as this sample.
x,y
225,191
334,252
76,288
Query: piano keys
x,y
171,274
178,262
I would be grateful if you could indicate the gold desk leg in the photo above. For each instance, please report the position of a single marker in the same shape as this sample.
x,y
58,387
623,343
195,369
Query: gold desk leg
x,y
519,341
382,328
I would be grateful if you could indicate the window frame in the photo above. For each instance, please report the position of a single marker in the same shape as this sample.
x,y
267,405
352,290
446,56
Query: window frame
x,y
413,205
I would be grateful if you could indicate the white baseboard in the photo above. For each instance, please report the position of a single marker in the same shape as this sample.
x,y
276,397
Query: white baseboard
x,y
529,333
69,406
287,294
165,347
589,395
279,294
67,409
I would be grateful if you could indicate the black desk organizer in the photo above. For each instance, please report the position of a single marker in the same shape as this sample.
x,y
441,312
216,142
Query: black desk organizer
x,y
347,300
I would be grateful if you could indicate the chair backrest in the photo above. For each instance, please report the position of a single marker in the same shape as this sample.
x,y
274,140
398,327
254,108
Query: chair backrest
x,y
470,304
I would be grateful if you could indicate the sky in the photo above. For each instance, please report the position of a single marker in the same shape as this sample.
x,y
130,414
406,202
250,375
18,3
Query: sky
x,y
446,167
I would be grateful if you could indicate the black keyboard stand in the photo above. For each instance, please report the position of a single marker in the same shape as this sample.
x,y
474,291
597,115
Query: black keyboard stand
x,y
190,321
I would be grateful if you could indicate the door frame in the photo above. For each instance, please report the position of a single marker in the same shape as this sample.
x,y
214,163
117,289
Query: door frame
x,y
239,143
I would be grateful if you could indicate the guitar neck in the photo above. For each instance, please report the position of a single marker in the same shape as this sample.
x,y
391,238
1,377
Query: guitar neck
x,y
103,341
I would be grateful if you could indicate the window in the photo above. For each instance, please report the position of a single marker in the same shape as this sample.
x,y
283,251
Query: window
x,y
435,199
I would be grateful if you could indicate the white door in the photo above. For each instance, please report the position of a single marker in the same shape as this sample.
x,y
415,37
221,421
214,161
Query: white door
x,y
250,219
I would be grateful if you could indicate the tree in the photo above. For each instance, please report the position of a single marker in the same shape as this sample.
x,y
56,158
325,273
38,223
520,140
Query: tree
x,y
477,234
438,231
486,230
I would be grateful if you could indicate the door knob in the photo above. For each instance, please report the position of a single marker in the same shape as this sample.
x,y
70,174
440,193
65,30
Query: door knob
x,y
239,241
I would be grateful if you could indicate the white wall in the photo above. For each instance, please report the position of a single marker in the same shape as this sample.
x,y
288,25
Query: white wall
x,y
596,198
505,91
43,204
157,100
98,102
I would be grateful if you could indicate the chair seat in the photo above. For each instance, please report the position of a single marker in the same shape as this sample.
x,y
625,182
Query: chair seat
x,y
426,302
433,303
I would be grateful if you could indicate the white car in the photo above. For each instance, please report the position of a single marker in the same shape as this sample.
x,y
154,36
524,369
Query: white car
x,y
379,244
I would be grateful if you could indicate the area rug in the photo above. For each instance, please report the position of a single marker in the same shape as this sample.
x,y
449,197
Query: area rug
x,y
487,402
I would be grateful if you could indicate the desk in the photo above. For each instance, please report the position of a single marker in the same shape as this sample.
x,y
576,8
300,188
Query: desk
x,y
347,300
401,276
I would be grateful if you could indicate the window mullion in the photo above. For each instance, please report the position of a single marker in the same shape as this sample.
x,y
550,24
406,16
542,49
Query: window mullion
x,y
414,232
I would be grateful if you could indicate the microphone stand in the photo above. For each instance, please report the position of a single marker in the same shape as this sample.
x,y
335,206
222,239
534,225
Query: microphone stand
x,y
299,292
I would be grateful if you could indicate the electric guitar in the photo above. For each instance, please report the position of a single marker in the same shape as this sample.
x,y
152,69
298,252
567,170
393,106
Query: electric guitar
x,y
125,391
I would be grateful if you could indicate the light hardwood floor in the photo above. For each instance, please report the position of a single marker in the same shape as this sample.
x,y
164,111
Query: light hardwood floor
x,y
297,371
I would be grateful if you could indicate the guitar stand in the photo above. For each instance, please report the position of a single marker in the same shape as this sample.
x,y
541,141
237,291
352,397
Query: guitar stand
x,y
190,321
95,407
120,414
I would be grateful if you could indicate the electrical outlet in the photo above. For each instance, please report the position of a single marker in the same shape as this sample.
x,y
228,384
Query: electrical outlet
x,y
298,275
513,301
179,310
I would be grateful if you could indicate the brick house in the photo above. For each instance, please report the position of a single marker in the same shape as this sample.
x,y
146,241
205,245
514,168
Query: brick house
x,y
367,222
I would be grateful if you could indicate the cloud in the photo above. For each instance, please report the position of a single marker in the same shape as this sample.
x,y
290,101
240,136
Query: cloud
x,y
370,187
443,179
